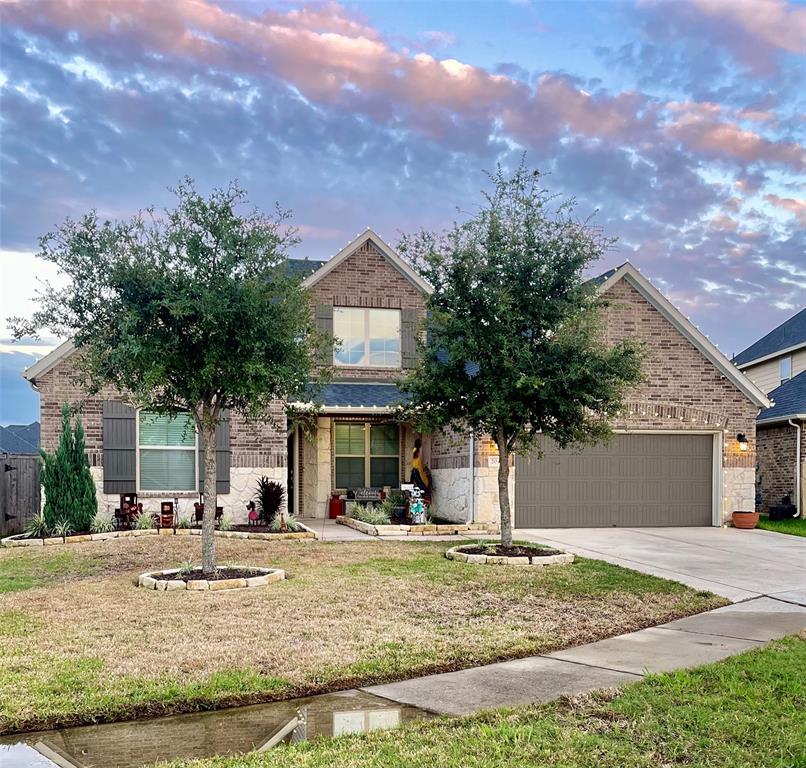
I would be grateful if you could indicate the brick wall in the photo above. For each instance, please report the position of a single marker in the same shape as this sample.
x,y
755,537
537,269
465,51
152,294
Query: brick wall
x,y
776,462
367,279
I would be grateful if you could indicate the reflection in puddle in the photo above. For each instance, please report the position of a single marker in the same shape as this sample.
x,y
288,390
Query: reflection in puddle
x,y
204,734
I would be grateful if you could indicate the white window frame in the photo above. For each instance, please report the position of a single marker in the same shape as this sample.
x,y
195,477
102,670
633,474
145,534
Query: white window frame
x,y
164,491
781,379
364,362
367,456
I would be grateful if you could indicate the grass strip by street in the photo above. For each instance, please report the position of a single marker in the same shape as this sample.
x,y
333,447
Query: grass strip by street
x,y
744,712
86,646
793,527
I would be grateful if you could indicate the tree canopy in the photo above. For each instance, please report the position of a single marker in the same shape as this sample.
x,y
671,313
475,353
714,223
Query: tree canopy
x,y
514,344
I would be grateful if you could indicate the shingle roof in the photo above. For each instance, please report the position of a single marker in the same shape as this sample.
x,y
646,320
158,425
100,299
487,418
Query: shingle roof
x,y
790,333
789,399
604,277
304,267
355,395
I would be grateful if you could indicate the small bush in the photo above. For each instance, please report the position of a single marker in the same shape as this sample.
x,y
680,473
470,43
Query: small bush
x,y
291,523
185,569
101,523
37,528
373,515
269,498
63,528
184,522
144,521
225,524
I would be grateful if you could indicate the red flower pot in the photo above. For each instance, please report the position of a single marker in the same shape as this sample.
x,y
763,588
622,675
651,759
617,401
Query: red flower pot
x,y
745,519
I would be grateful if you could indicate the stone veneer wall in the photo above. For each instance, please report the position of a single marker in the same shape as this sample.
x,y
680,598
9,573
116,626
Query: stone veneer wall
x,y
258,447
682,391
776,459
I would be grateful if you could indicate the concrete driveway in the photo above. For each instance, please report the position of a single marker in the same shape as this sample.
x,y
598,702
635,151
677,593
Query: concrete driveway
x,y
739,565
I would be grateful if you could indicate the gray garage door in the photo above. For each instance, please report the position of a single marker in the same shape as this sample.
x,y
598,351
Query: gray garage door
x,y
633,481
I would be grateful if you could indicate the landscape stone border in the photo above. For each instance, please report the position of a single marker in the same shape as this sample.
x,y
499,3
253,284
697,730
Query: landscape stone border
x,y
21,540
448,529
266,577
454,554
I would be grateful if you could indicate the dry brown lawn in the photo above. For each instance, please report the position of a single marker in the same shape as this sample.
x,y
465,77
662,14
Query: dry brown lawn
x,y
86,645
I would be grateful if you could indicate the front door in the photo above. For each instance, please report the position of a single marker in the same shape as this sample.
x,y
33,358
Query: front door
x,y
292,463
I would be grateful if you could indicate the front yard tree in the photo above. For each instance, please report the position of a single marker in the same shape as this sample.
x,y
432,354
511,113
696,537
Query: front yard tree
x,y
514,341
193,309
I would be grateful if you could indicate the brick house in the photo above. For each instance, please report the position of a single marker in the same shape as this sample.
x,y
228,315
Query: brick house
x,y
776,363
675,460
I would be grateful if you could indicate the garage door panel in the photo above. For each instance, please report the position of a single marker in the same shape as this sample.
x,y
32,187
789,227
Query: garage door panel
x,y
634,480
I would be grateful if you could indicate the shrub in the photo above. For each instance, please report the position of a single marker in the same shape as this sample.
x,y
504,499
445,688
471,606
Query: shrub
x,y
66,479
373,515
397,498
63,528
101,523
144,521
184,522
225,524
37,528
269,497
291,523
185,569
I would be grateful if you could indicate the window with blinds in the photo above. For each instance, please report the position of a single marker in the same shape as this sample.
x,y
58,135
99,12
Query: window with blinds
x,y
166,452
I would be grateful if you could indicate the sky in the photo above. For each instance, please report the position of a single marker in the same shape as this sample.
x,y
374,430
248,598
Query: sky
x,y
678,125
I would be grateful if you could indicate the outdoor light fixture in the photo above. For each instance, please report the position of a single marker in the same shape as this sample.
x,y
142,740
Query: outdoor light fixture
x,y
742,440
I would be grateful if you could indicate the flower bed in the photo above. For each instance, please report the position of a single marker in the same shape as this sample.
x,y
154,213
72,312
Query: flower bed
x,y
226,577
449,529
528,556
22,540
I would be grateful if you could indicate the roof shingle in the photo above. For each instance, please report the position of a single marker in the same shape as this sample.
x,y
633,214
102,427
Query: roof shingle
x,y
789,399
790,333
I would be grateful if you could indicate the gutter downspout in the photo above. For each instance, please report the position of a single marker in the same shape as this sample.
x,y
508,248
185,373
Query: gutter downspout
x,y
472,494
797,426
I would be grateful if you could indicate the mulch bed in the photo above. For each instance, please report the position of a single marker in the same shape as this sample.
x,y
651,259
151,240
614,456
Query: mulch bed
x,y
221,573
513,551
252,529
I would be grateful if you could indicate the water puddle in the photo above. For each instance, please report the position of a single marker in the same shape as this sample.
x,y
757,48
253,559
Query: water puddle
x,y
204,734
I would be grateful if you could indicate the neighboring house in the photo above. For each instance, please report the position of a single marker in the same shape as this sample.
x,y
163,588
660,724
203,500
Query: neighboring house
x,y
776,363
20,438
675,460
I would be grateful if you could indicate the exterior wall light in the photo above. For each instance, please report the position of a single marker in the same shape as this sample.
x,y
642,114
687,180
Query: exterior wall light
x,y
742,440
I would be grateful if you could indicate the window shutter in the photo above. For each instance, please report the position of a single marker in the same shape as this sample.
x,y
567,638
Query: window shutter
x,y
222,456
324,323
408,331
120,462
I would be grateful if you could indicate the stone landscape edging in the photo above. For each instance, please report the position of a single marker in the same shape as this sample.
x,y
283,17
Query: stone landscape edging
x,y
265,577
453,553
20,540
448,529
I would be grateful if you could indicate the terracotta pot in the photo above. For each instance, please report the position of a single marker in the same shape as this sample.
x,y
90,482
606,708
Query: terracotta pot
x,y
745,519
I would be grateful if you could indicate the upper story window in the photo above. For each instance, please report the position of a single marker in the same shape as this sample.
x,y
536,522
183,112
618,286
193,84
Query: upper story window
x,y
369,337
166,452
785,369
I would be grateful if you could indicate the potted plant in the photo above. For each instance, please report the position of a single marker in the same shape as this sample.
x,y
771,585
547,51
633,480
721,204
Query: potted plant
x,y
399,504
745,519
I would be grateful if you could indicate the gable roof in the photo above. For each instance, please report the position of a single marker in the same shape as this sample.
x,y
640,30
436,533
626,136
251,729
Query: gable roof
x,y
386,250
787,337
789,401
44,364
709,350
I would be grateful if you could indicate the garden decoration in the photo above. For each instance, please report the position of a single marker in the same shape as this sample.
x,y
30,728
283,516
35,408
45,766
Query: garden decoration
x,y
417,507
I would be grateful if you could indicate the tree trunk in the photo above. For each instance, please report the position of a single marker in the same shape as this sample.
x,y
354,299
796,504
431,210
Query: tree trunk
x,y
210,499
503,488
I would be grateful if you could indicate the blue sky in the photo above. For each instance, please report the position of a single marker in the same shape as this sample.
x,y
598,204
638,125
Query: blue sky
x,y
680,124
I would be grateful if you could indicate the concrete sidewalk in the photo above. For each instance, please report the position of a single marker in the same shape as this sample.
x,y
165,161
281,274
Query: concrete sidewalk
x,y
689,642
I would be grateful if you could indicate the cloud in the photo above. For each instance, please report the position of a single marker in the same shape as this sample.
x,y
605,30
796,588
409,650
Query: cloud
x,y
795,206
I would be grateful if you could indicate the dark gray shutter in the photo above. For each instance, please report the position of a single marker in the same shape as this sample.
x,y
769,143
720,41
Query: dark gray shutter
x,y
408,332
324,323
120,463
222,456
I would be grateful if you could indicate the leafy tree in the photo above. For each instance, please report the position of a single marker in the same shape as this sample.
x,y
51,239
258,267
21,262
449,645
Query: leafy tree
x,y
514,344
193,310
69,487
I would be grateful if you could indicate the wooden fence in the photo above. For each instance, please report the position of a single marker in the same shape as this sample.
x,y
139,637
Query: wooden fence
x,y
19,492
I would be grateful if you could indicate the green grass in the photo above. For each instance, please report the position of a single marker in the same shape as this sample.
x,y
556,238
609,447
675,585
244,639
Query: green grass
x,y
745,712
21,569
794,527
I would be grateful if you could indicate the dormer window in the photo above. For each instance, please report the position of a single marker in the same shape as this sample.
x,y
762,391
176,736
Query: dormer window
x,y
785,369
368,337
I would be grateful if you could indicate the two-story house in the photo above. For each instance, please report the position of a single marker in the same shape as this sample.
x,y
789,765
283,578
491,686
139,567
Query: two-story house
x,y
776,363
683,453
